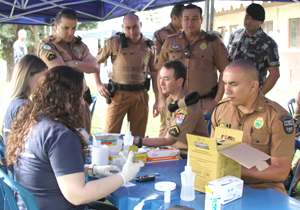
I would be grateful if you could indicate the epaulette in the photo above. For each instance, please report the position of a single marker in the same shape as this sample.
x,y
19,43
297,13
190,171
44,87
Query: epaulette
x,y
78,40
188,100
150,42
210,37
172,35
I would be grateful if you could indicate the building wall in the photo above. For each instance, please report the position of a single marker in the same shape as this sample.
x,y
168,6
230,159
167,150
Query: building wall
x,y
280,14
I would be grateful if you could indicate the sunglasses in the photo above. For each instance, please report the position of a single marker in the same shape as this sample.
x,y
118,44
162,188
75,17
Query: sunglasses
x,y
187,52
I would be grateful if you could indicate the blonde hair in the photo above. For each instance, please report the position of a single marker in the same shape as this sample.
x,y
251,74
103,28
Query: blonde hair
x,y
29,65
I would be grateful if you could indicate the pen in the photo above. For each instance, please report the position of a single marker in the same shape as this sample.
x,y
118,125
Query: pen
x,y
251,131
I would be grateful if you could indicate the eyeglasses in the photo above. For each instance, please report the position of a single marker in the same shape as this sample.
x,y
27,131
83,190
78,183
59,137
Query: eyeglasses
x,y
187,51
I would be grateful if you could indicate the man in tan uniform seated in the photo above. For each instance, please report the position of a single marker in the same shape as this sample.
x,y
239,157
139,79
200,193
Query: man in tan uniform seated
x,y
62,48
182,111
202,53
132,56
265,124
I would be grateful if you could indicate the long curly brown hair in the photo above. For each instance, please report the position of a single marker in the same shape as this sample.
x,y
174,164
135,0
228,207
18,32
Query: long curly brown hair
x,y
57,95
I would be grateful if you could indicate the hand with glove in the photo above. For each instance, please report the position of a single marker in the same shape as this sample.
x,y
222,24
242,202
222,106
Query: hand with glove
x,y
130,169
105,170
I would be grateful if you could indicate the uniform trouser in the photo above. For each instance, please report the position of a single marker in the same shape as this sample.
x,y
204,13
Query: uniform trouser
x,y
135,104
86,119
207,105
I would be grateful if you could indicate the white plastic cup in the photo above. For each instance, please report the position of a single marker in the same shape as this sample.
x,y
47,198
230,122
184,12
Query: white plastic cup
x,y
100,155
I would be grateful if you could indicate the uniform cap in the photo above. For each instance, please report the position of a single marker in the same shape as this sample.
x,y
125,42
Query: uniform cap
x,y
256,11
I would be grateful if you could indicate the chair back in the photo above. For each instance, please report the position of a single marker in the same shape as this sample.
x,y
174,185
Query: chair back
x,y
7,185
297,147
2,158
93,104
290,105
207,117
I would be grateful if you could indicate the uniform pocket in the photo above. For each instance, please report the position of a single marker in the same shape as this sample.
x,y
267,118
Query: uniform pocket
x,y
261,141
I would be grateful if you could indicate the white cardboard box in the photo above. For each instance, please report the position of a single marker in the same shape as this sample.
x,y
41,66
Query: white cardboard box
x,y
227,188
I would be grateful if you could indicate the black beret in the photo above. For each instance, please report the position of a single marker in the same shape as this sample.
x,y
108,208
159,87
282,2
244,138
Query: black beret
x,y
256,11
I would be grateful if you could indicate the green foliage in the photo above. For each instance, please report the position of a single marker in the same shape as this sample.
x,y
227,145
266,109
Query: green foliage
x,y
7,31
85,26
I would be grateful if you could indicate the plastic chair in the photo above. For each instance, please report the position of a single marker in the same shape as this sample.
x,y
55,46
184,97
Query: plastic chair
x,y
290,105
297,147
207,117
93,104
7,185
2,157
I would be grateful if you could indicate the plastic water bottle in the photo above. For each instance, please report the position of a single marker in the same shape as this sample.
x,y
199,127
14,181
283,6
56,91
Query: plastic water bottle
x,y
187,183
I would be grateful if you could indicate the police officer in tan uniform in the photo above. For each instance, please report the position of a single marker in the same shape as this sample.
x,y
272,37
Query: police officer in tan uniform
x,y
172,28
132,55
160,37
202,53
62,48
182,111
265,124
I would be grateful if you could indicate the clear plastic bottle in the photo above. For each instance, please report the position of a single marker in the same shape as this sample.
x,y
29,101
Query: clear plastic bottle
x,y
187,183
128,138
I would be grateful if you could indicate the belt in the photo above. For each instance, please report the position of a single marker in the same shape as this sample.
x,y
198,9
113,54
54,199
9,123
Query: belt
x,y
209,95
130,87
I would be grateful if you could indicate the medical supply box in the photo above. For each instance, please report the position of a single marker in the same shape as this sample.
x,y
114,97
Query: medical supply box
x,y
158,154
213,158
225,189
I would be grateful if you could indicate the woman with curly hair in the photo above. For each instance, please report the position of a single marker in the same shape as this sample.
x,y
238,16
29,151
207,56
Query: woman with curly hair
x,y
25,76
48,153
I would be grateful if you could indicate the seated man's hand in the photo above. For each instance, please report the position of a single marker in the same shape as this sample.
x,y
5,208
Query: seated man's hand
x,y
105,170
130,169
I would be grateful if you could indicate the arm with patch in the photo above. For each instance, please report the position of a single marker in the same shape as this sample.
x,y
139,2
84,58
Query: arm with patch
x,y
158,41
50,55
281,150
154,76
185,122
272,63
88,64
162,58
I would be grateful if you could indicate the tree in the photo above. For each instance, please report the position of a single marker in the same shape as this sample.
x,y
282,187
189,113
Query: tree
x,y
7,38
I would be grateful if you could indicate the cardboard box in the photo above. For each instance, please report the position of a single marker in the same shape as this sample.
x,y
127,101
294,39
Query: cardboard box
x,y
213,158
117,159
159,154
227,188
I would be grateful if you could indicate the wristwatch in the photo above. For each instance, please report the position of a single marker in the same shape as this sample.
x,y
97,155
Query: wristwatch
x,y
140,144
90,170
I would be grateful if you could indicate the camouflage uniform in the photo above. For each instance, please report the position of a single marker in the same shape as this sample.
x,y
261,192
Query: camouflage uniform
x,y
259,48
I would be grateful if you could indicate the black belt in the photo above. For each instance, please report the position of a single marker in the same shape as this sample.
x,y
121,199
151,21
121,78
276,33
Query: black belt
x,y
131,87
209,95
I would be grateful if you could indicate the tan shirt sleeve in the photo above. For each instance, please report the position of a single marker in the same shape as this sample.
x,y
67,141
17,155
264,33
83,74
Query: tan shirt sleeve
x,y
282,144
163,56
50,55
220,54
105,52
152,60
158,42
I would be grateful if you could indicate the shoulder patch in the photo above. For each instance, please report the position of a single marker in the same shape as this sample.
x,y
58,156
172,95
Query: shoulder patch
x,y
182,111
288,125
179,118
46,47
174,131
51,56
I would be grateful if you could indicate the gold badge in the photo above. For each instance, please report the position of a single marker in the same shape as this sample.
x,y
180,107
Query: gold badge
x,y
63,52
258,123
260,108
203,46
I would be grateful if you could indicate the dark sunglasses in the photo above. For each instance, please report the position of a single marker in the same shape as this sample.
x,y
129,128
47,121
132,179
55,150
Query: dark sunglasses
x,y
187,52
